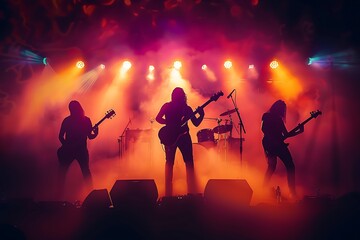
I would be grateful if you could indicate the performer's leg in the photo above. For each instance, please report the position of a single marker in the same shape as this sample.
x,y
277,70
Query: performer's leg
x,y
287,159
65,158
185,146
83,159
169,164
271,162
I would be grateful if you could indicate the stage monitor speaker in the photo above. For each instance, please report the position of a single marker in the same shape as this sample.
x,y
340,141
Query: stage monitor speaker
x,y
228,192
97,199
134,193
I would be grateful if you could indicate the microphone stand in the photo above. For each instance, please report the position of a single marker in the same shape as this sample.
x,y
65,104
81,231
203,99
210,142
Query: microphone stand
x,y
121,138
242,129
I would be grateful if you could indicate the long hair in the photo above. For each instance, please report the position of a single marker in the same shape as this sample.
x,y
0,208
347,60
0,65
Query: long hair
x,y
76,109
178,96
279,108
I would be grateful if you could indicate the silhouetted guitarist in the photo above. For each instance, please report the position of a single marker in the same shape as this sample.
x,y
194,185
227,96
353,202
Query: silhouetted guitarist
x,y
175,115
74,132
275,133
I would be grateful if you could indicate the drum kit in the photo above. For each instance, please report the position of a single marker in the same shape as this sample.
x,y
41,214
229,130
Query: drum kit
x,y
224,140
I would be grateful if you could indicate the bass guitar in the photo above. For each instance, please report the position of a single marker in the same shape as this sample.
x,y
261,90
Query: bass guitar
x,y
313,115
169,136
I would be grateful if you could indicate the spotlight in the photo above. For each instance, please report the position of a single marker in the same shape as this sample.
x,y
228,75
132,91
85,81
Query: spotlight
x,y
45,62
177,65
102,66
310,61
127,65
228,64
151,68
251,66
274,64
80,64
204,67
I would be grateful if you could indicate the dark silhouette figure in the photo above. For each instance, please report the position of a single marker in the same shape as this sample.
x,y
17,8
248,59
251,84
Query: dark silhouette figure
x,y
175,115
275,133
74,132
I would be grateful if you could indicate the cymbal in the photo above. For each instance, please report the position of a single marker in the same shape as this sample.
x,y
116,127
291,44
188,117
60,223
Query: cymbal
x,y
222,129
228,112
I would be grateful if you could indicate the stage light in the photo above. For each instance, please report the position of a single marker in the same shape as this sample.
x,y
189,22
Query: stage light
x,y
204,67
228,64
151,77
274,64
126,65
344,59
80,64
177,65
102,66
251,66
310,61
45,62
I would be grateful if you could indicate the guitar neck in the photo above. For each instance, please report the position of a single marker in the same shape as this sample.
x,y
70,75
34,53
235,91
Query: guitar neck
x,y
203,106
301,124
196,111
306,121
99,122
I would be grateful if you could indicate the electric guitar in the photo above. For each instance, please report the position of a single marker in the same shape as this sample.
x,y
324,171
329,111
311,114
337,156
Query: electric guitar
x,y
271,145
66,149
313,114
169,135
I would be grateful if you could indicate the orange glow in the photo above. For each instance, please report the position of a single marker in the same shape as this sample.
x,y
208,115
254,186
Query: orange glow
x,y
288,86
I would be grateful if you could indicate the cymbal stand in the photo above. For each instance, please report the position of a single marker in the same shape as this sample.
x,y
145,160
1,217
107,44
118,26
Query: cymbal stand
x,y
121,142
218,149
242,129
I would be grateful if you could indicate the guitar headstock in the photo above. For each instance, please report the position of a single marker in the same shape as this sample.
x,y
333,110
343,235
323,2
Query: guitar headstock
x,y
316,113
109,114
216,96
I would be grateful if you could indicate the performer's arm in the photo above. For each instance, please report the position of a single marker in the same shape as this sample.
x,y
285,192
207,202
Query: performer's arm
x,y
93,132
160,118
299,129
62,133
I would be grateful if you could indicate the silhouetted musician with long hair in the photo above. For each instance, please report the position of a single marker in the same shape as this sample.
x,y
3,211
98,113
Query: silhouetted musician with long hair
x,y
175,134
275,132
74,132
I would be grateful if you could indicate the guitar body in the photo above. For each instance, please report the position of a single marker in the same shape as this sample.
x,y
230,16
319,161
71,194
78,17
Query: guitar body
x,y
66,153
169,136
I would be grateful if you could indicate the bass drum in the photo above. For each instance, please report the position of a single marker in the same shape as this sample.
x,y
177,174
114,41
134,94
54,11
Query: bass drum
x,y
206,138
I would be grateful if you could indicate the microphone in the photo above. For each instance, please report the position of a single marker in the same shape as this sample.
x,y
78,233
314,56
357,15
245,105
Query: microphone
x,y
231,93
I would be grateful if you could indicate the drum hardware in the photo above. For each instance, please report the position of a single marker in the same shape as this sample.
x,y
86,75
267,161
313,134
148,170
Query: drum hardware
x,y
228,112
215,119
222,129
